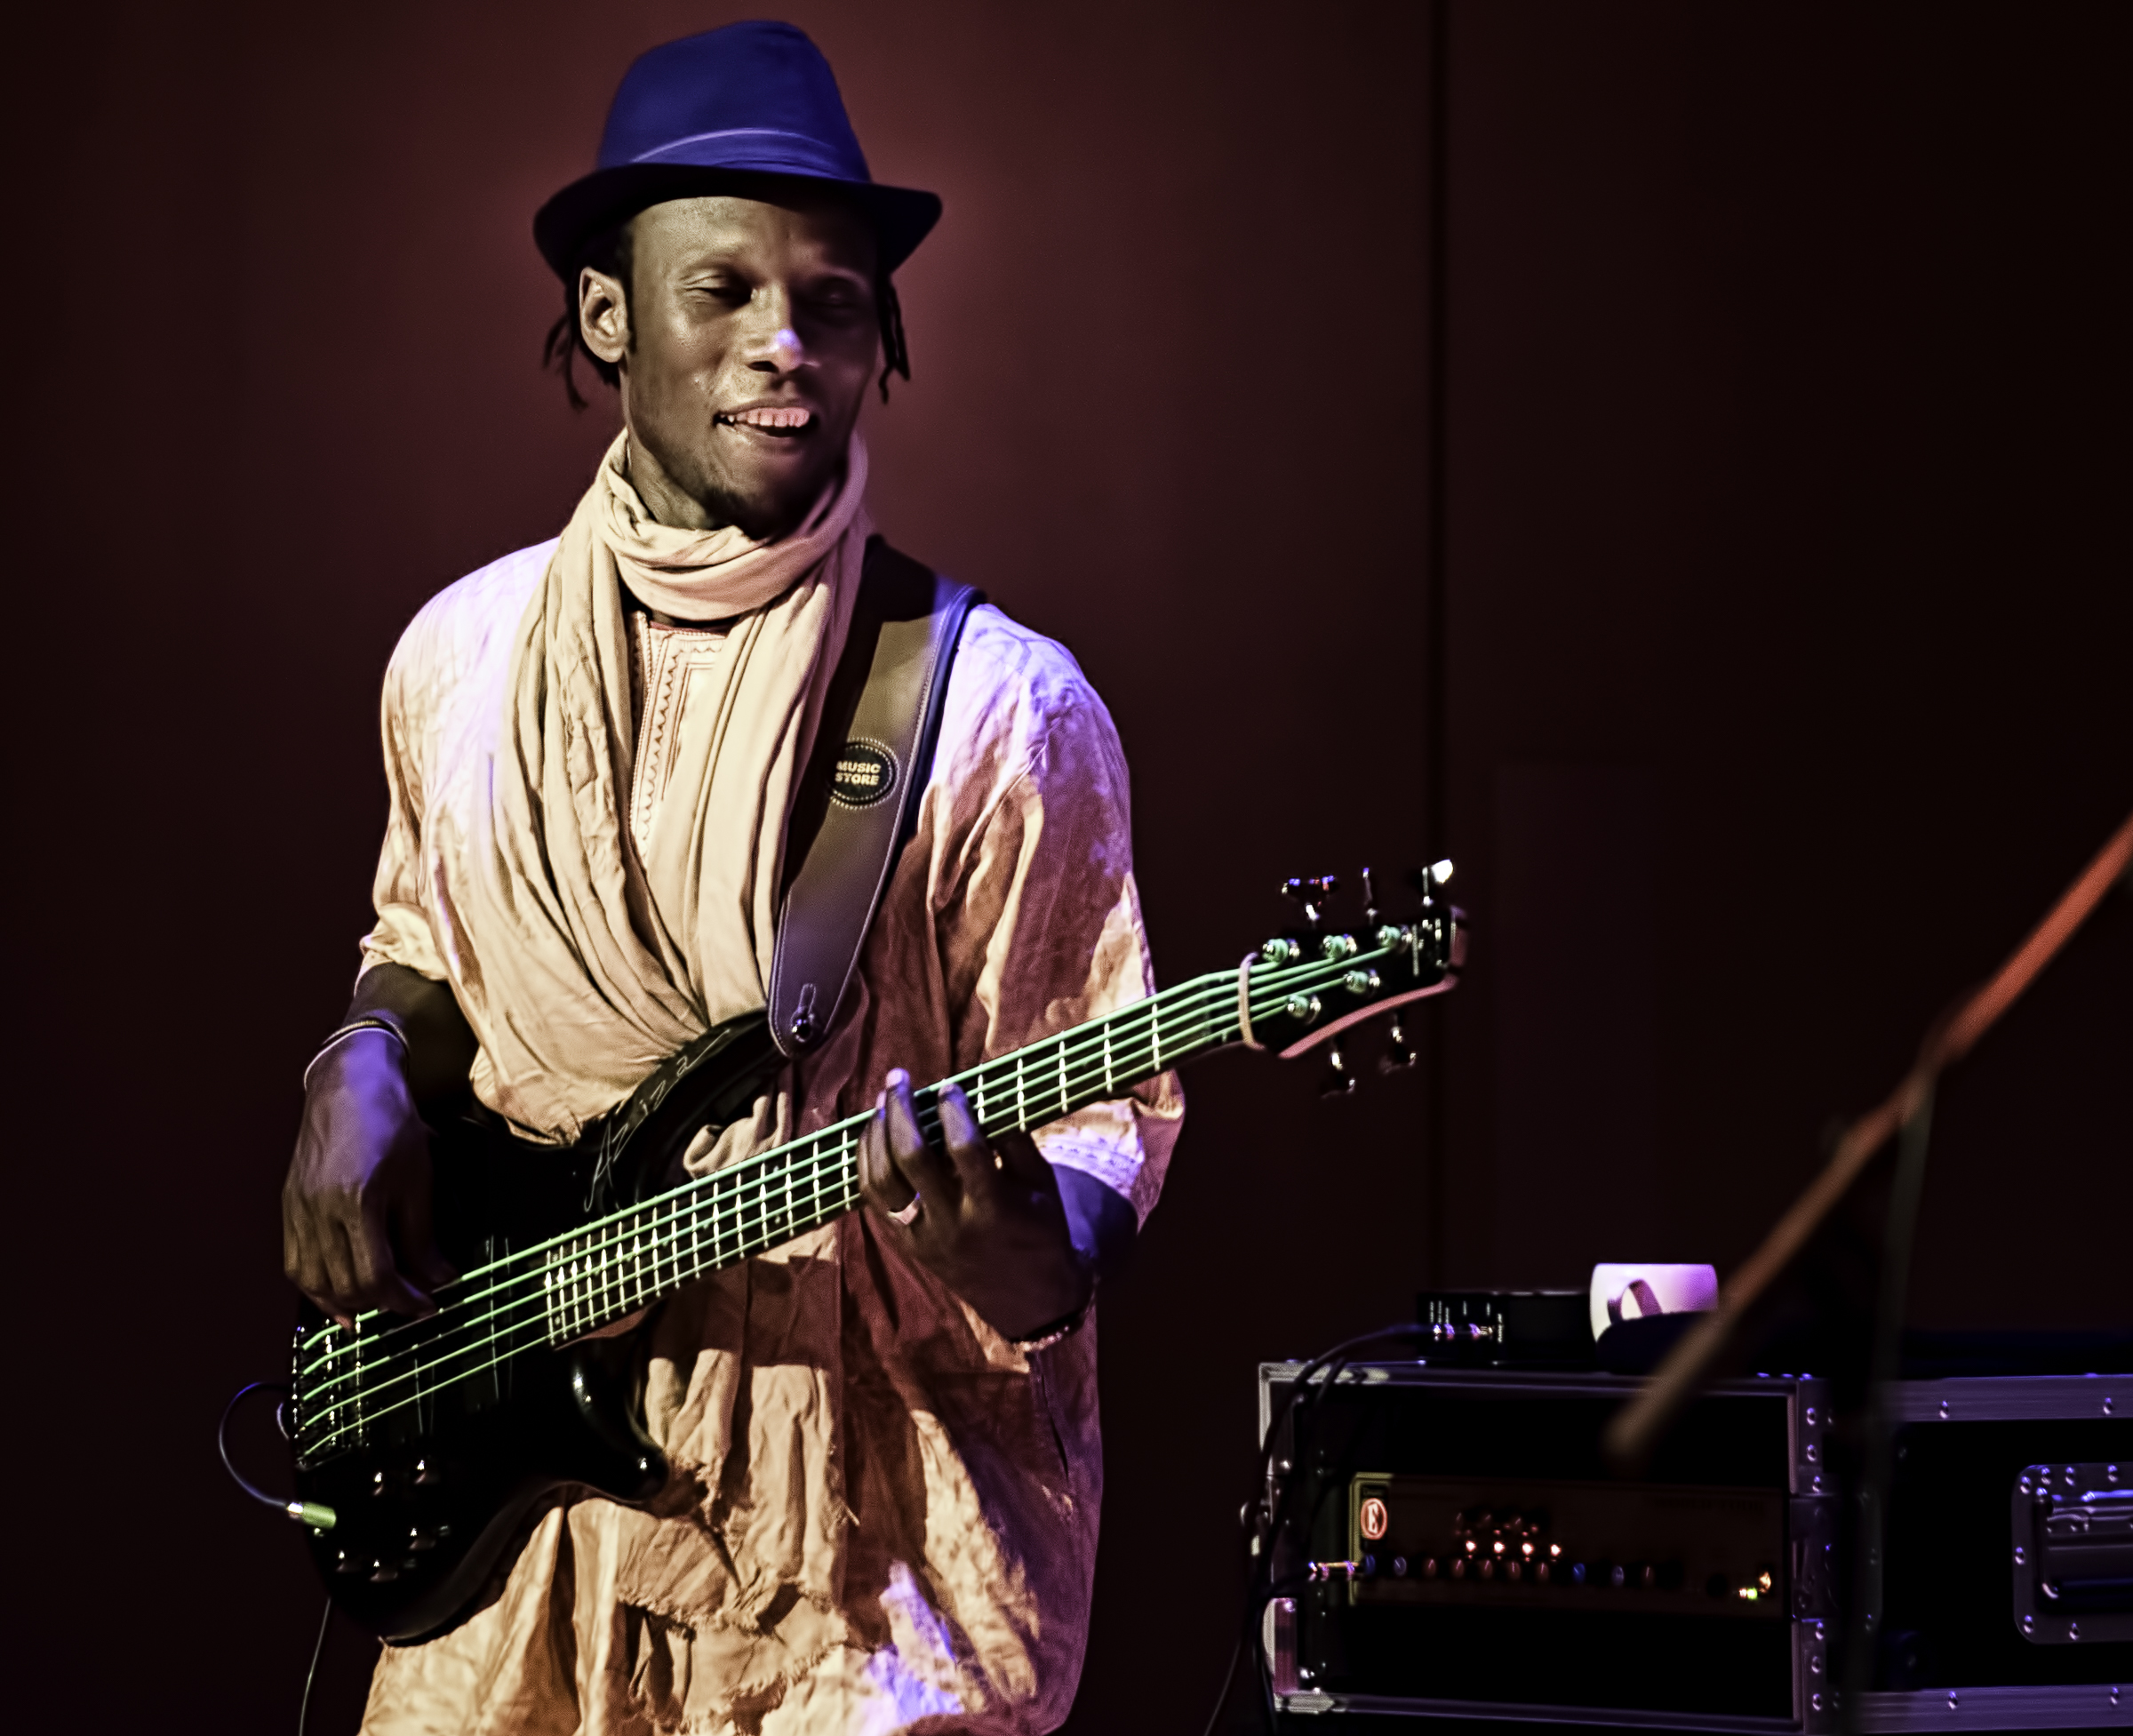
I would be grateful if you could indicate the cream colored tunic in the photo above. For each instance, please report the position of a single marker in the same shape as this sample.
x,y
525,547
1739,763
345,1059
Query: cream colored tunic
x,y
881,1513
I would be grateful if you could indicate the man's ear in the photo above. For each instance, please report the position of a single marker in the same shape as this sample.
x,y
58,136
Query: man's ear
x,y
603,314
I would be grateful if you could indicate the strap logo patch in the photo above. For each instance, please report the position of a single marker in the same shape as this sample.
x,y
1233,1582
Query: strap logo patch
x,y
865,774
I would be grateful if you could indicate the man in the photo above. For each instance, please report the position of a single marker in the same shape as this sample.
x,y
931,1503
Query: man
x,y
883,1435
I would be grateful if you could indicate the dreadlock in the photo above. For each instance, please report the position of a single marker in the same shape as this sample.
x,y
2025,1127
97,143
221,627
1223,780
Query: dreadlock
x,y
895,357
612,253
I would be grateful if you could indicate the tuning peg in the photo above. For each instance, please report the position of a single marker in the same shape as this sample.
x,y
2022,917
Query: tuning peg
x,y
1312,892
1397,1057
1425,880
1339,1081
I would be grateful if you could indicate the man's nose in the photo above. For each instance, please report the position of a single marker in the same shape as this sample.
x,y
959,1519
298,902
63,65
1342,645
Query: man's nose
x,y
774,347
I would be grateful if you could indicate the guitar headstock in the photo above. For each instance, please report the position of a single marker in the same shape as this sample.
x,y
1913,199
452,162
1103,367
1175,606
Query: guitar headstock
x,y
1304,988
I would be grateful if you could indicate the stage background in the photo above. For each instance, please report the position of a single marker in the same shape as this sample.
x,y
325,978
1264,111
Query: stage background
x,y
1788,638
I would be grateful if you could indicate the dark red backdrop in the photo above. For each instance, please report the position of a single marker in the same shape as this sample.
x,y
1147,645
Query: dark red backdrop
x,y
1789,626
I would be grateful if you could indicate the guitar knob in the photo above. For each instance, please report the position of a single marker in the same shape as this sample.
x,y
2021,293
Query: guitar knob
x,y
345,1563
384,1574
1339,1081
418,1540
1397,1057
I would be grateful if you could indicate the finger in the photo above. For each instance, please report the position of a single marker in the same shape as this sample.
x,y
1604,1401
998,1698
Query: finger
x,y
1015,1155
977,1165
886,1190
337,1292
919,1162
296,1253
300,1262
414,1235
379,1282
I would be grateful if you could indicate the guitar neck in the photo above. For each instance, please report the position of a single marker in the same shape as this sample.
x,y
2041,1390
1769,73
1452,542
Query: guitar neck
x,y
611,1269
1294,996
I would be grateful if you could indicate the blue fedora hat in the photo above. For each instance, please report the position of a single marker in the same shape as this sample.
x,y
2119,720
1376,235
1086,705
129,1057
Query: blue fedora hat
x,y
715,113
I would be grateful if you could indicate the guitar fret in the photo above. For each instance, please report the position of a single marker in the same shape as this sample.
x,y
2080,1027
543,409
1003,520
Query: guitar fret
x,y
597,1272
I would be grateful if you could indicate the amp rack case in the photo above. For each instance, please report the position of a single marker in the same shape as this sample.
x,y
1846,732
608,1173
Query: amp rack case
x,y
1477,1560
1498,1571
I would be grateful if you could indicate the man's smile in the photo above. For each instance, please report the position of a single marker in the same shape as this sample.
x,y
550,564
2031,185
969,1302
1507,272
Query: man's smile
x,y
779,421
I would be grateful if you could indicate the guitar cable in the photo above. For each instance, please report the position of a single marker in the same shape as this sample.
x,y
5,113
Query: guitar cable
x,y
308,1513
1323,1371
305,1513
318,1648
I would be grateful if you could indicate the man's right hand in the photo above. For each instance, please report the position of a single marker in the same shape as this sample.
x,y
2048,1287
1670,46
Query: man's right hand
x,y
356,1208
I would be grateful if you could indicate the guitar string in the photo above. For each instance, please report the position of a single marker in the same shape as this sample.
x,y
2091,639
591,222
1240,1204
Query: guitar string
x,y
596,1292
1200,990
536,1339
594,1286
621,1225
584,1299
739,1225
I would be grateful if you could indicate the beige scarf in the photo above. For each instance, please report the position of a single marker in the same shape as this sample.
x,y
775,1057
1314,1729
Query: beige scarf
x,y
581,975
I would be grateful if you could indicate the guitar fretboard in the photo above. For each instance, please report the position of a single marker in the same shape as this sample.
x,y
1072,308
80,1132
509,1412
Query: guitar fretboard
x,y
616,1266
606,1270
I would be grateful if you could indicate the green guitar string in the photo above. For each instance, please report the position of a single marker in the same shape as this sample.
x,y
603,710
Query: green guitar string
x,y
741,1222
743,1216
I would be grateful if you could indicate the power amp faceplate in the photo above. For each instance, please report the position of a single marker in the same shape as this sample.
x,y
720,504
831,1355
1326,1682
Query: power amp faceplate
x,y
1473,1557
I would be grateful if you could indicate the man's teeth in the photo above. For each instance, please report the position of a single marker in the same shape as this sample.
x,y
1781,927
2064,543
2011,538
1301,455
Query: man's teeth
x,y
769,418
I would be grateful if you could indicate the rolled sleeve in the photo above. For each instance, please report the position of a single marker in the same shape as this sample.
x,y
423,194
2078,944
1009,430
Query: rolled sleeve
x,y
1048,936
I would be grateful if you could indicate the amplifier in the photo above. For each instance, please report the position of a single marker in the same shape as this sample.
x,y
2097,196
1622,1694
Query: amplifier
x,y
1473,1559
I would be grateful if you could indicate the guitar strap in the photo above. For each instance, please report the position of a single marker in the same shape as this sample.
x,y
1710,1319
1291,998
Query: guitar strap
x,y
859,799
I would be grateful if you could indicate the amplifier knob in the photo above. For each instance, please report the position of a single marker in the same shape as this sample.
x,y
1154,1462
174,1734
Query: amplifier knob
x,y
1399,1567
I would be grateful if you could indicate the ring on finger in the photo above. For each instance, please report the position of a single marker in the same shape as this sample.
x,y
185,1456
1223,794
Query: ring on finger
x,y
907,1215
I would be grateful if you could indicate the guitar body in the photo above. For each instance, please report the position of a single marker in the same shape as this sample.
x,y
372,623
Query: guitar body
x,y
432,1502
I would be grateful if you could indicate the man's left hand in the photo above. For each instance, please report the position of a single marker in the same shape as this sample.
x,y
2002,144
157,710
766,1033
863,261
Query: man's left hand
x,y
990,1223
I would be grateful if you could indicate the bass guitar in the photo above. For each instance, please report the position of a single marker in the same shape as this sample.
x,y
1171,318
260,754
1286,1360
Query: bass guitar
x,y
424,1450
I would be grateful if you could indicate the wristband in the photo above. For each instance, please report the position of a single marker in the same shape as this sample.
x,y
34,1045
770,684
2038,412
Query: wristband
x,y
348,1030
1045,1337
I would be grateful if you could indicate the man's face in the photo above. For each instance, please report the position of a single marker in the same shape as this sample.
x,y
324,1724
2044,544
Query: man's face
x,y
745,338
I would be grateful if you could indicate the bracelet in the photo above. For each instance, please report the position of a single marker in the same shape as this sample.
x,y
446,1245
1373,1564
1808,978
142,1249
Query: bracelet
x,y
348,1030
1045,1337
